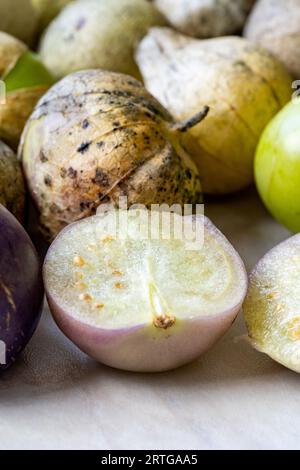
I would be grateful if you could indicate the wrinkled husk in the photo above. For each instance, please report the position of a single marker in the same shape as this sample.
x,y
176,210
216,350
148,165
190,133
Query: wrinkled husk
x,y
16,111
243,85
48,9
96,136
97,34
274,24
18,103
12,188
20,19
206,18
10,51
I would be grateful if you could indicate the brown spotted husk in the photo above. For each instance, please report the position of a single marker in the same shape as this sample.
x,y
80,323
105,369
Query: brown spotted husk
x,y
12,188
96,136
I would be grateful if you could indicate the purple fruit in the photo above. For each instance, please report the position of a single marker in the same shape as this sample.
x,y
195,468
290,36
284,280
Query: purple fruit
x,y
21,288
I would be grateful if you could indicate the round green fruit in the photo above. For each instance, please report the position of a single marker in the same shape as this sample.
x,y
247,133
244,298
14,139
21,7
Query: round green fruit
x,y
277,166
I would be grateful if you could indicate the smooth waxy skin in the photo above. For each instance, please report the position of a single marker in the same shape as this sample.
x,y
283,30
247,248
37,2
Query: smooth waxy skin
x,y
144,305
277,166
243,85
97,34
12,187
206,18
271,308
97,136
274,24
21,287
26,80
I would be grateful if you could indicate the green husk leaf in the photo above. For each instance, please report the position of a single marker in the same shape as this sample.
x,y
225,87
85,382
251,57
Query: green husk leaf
x,y
28,72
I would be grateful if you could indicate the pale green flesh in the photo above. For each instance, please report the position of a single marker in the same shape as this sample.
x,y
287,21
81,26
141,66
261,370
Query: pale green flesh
x,y
272,306
28,72
117,283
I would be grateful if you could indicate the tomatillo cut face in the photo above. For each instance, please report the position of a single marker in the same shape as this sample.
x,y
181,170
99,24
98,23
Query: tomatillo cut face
x,y
272,306
140,303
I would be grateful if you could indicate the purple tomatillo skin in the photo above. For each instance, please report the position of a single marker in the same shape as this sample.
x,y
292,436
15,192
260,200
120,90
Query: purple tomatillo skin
x,y
21,287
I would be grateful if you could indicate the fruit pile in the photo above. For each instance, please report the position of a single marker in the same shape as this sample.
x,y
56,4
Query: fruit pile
x,y
160,103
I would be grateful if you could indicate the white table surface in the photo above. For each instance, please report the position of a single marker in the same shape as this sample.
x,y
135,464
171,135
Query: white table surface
x,y
232,398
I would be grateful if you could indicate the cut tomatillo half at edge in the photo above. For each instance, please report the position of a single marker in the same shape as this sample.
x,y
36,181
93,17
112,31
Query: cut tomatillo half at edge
x,y
140,303
272,305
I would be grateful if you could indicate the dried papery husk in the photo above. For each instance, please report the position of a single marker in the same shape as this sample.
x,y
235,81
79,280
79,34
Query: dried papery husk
x,y
243,85
47,10
97,136
274,24
21,94
97,34
11,49
206,18
20,19
12,187
13,116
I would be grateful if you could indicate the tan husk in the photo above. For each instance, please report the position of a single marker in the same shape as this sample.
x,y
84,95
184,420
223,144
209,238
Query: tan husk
x,y
10,51
48,9
206,18
19,18
96,136
97,34
243,85
275,25
12,188
18,107
19,102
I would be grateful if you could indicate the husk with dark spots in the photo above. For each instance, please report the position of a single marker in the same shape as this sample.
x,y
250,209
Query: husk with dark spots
x,y
96,136
206,18
12,188
97,34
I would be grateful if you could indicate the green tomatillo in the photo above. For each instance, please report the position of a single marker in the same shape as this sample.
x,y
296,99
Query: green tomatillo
x,y
277,166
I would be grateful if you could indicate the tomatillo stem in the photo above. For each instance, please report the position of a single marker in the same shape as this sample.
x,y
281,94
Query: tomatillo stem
x,y
187,124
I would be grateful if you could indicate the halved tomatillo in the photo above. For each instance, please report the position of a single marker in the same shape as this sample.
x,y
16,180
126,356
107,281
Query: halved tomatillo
x,y
272,305
140,303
